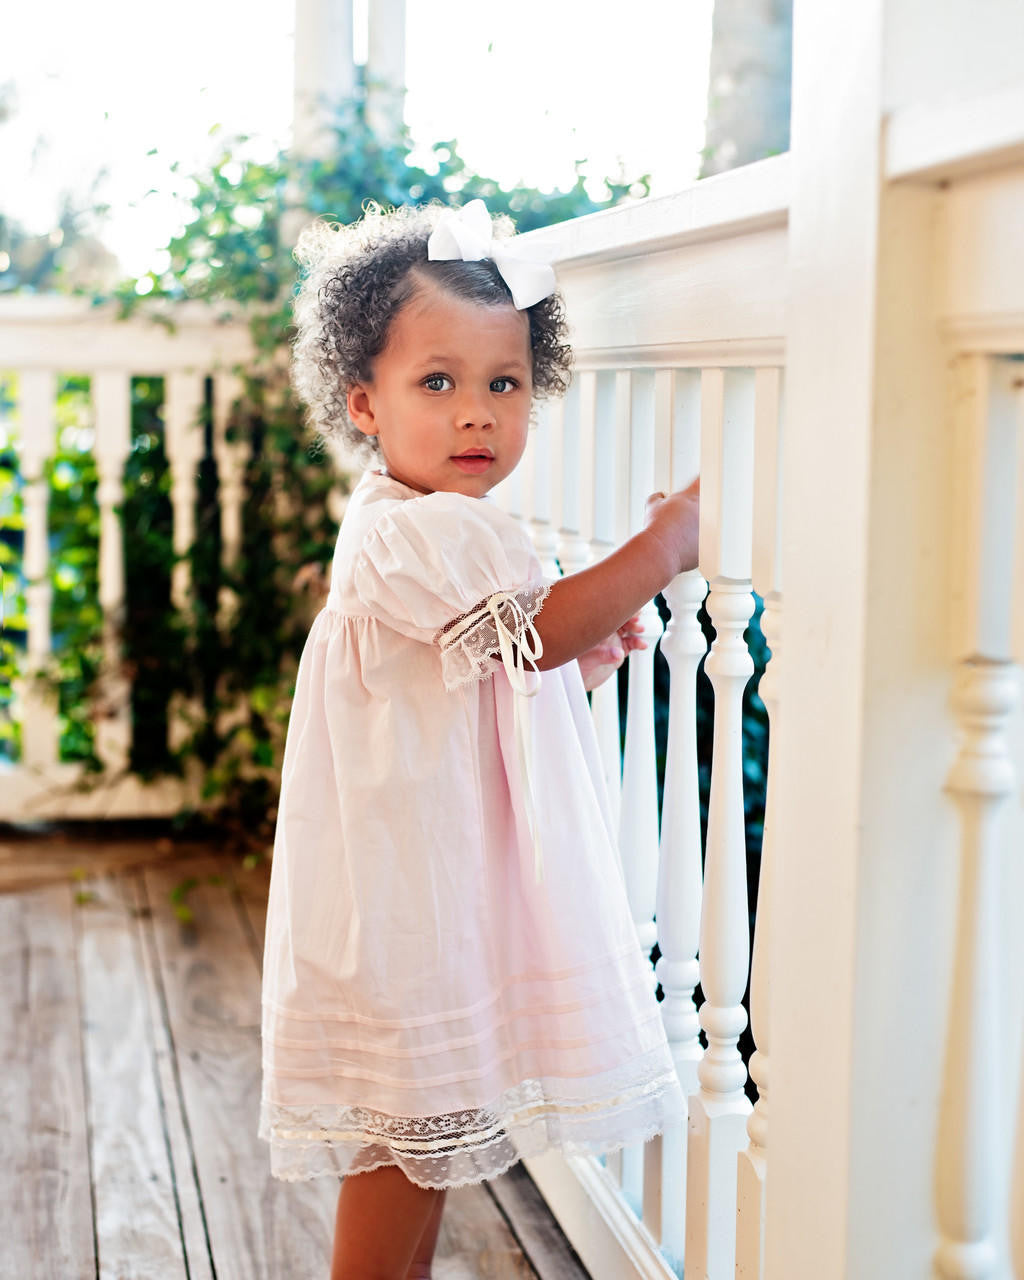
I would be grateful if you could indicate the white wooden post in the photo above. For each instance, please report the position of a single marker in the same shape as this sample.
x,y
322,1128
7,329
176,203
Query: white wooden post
x,y
611,421
184,443
324,77
719,1109
767,580
569,482
231,456
638,822
982,778
1017,1187
324,70
111,395
638,818
542,486
385,66
679,860
37,401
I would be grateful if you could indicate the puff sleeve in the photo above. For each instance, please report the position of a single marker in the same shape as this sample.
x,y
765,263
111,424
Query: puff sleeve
x,y
456,572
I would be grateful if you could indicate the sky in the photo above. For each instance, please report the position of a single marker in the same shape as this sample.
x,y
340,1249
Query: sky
x,y
114,88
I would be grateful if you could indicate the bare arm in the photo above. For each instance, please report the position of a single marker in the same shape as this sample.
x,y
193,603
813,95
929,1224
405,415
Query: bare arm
x,y
585,608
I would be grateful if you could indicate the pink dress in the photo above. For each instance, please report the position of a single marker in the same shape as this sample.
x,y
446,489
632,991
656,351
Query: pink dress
x,y
427,1002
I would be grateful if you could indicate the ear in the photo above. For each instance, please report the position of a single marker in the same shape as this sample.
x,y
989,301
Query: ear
x,y
360,408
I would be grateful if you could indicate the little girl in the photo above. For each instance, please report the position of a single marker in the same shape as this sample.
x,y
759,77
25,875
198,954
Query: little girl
x,y
452,977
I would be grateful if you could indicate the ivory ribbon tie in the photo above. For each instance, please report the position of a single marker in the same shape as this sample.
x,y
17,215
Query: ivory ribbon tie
x,y
467,233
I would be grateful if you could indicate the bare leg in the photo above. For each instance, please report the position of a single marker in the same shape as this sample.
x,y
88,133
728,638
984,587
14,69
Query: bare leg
x,y
381,1219
424,1256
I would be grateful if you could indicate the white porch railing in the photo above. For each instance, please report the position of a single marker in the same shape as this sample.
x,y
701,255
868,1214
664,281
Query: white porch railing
x,y
873,280
41,338
888,984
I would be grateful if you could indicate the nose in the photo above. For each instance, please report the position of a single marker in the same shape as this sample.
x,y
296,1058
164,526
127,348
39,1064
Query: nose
x,y
473,410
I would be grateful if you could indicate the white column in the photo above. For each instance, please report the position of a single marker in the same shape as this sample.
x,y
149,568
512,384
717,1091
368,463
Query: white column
x,y
111,395
985,693
324,70
767,580
36,404
719,1109
385,67
679,861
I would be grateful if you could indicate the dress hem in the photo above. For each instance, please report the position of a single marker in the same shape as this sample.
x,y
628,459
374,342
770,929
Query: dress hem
x,y
639,1136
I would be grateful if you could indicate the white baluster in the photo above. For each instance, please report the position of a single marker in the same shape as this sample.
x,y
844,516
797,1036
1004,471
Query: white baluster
x,y
111,395
1017,649
638,820
184,444
982,777
638,824
610,441
36,710
985,691
1017,1187
573,546
539,486
679,863
231,456
767,579
719,1109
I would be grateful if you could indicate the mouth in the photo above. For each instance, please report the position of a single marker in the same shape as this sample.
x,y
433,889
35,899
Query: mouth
x,y
473,462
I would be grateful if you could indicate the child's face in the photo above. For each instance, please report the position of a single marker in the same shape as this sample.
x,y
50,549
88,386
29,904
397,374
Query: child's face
x,y
450,397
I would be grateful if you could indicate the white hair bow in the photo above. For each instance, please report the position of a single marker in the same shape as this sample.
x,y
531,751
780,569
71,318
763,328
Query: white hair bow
x,y
466,233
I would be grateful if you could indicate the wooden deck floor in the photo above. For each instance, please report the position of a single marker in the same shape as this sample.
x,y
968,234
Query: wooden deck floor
x,y
129,1092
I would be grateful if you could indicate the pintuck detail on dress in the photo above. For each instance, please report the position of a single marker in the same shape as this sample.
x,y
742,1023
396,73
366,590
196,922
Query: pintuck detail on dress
x,y
428,1002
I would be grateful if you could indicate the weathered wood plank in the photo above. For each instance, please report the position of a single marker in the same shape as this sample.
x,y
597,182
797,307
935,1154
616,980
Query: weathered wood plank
x,y
535,1226
475,1242
190,1209
44,1175
259,1228
137,1230
253,885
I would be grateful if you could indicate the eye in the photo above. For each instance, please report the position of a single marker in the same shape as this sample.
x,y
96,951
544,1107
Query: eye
x,y
504,385
438,382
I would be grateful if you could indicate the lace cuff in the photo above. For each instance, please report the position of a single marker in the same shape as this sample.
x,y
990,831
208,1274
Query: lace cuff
x,y
476,643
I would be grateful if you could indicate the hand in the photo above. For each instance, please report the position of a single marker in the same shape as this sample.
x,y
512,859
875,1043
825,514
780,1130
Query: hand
x,y
604,659
675,522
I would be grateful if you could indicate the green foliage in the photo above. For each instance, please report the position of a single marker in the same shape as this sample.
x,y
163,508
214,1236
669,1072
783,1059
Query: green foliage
x,y
236,247
154,636
75,616
12,595
211,684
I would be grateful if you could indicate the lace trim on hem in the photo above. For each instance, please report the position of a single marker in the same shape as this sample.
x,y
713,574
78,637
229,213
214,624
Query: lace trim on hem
x,y
468,1146
469,644
632,1138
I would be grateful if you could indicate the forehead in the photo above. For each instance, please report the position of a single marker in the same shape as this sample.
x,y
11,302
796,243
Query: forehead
x,y
434,322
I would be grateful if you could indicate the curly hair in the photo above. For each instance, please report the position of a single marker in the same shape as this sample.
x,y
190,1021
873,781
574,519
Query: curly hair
x,y
356,279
